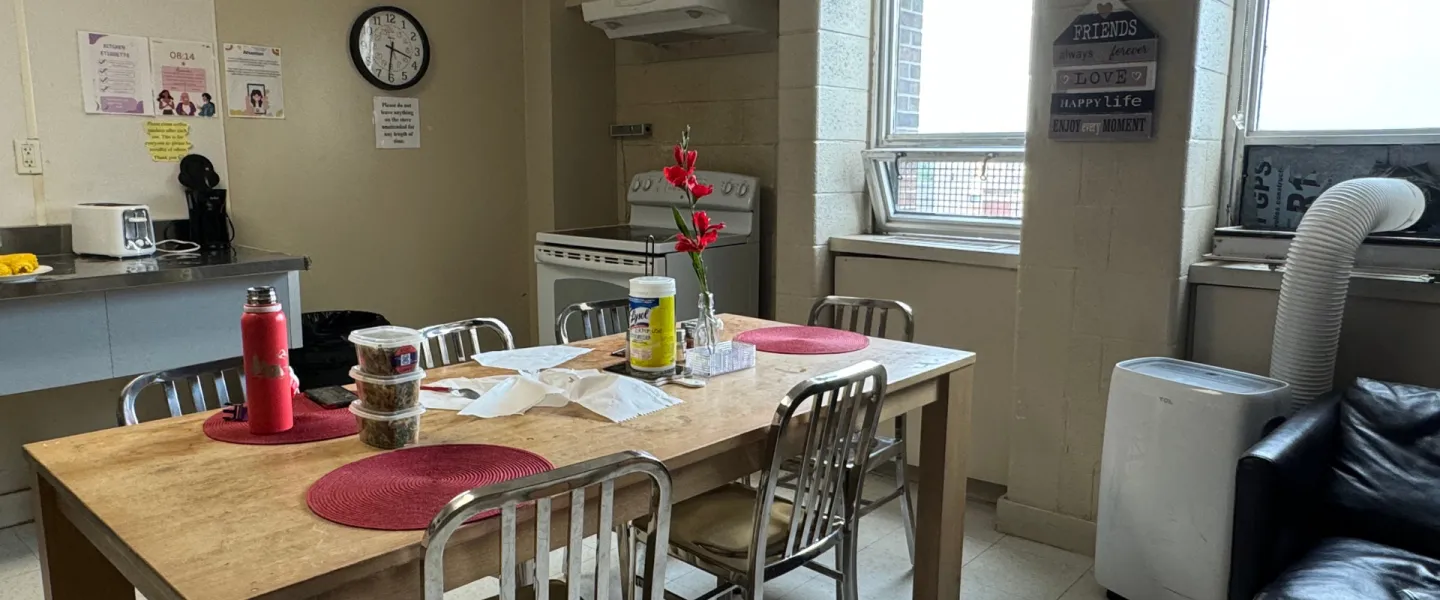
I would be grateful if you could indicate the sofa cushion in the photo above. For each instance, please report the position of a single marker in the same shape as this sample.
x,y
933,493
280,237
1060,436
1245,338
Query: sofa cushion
x,y
1386,483
1352,569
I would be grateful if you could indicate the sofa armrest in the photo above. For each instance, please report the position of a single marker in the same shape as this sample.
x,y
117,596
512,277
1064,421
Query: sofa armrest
x,y
1279,485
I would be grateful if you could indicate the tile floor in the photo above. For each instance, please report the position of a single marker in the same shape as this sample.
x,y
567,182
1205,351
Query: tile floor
x,y
997,566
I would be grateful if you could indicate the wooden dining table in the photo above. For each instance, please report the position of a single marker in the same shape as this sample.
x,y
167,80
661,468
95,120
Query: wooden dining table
x,y
161,508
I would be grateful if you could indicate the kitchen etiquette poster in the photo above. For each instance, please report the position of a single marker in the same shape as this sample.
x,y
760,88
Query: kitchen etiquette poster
x,y
254,82
185,78
115,74
1105,65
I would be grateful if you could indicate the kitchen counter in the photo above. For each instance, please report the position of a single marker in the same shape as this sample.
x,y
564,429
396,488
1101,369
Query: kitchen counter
x,y
80,274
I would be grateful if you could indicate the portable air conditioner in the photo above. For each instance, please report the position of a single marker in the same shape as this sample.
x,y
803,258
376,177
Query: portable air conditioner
x,y
1174,431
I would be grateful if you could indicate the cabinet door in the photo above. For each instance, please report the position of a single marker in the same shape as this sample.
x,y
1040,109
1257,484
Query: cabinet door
x,y
167,326
53,341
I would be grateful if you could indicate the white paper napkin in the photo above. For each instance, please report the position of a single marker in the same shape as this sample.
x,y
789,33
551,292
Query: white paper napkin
x,y
530,360
448,401
612,396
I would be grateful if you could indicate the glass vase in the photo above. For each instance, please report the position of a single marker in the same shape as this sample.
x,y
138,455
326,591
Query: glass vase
x,y
709,328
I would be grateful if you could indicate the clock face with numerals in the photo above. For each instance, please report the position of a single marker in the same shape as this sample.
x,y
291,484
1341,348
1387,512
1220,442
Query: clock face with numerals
x,y
390,48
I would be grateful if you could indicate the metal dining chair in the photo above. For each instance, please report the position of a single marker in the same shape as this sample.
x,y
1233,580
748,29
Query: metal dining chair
x,y
746,536
597,318
192,378
461,333
870,316
541,489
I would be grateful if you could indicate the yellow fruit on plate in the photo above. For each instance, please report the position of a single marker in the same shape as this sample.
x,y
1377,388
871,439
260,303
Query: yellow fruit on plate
x,y
19,264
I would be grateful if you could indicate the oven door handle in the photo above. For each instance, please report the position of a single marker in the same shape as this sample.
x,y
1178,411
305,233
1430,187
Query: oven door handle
x,y
611,263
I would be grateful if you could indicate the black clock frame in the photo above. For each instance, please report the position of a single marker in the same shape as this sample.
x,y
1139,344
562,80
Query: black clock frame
x,y
360,61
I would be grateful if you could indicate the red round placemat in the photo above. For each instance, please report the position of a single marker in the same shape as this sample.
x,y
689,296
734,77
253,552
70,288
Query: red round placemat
x,y
313,423
402,490
804,340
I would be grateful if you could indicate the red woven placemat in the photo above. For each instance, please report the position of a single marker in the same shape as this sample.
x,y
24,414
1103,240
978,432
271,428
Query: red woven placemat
x,y
804,340
313,423
402,490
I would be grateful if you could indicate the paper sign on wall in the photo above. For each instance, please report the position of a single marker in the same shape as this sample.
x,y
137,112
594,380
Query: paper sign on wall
x,y
253,80
184,74
115,74
397,122
167,141
1105,70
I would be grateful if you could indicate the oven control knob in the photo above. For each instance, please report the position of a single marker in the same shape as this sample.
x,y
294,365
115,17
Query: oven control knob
x,y
729,187
635,187
744,190
647,185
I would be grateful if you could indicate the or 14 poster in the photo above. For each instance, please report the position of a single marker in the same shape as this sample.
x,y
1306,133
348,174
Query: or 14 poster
x,y
186,81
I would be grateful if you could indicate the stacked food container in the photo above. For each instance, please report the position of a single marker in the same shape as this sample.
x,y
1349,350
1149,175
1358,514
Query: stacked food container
x,y
387,380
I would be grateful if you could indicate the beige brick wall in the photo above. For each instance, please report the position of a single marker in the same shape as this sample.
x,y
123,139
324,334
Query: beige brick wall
x,y
823,106
1109,230
726,90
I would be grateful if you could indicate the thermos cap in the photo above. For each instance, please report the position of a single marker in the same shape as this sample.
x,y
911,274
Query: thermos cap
x,y
260,296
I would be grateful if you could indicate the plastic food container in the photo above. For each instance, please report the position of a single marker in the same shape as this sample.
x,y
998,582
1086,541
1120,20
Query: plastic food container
x,y
388,430
387,351
388,394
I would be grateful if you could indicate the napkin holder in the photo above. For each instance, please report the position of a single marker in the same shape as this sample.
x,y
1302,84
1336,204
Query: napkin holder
x,y
728,357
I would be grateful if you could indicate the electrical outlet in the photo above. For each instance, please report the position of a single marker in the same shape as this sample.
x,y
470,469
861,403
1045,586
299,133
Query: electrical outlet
x,y
27,157
633,130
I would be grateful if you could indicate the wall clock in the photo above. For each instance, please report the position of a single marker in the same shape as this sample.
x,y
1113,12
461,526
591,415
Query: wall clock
x,y
390,48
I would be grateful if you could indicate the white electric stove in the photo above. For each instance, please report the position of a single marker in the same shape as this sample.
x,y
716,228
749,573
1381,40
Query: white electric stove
x,y
594,264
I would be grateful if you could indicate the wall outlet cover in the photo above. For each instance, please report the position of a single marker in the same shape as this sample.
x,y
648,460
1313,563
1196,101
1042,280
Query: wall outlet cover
x,y
27,157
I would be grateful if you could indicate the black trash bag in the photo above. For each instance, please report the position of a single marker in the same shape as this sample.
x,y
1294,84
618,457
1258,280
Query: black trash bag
x,y
327,355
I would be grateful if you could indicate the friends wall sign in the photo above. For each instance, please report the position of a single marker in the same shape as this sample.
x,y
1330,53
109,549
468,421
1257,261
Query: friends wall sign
x,y
1105,70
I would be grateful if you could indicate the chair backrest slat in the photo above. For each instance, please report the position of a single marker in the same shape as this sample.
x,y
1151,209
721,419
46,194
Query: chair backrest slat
x,y
872,307
597,319
441,336
844,411
171,380
570,482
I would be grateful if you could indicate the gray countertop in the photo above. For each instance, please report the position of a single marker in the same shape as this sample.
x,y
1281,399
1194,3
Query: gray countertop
x,y
78,274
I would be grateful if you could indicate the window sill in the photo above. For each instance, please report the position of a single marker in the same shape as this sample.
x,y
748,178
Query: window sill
x,y
1410,287
999,254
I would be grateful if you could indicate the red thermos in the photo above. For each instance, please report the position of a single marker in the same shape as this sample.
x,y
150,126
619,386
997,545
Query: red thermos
x,y
267,363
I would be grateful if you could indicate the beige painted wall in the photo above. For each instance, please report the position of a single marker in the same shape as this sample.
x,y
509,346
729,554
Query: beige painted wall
x,y
956,306
423,236
1109,230
726,90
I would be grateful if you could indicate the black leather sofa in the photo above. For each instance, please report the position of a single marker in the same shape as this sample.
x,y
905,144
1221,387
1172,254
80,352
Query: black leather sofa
x,y
1342,501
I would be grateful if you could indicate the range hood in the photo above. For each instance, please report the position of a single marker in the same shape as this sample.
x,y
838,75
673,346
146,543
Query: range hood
x,y
663,21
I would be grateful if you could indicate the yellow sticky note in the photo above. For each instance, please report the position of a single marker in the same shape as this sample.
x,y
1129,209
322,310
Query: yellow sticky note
x,y
167,141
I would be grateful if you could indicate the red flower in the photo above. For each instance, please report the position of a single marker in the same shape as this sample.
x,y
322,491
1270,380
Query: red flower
x,y
705,234
700,190
682,174
679,177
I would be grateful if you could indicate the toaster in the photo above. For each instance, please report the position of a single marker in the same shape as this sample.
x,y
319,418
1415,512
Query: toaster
x,y
108,229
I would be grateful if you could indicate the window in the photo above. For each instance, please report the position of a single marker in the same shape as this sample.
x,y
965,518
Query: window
x,y
952,104
1330,90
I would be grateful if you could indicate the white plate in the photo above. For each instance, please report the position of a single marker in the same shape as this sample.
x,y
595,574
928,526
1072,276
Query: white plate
x,y
28,276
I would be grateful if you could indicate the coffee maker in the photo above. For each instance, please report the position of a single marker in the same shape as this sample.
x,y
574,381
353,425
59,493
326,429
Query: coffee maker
x,y
210,224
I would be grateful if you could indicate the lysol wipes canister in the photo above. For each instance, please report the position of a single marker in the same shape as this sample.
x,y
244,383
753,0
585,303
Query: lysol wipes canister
x,y
652,325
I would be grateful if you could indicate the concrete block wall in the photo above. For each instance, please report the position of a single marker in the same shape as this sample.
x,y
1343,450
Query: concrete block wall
x,y
1109,230
823,108
726,90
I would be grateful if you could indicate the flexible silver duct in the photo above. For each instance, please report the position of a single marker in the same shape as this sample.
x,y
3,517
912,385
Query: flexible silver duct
x,y
1317,276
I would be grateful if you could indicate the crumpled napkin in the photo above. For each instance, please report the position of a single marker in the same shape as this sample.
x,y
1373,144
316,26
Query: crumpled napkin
x,y
609,395
530,360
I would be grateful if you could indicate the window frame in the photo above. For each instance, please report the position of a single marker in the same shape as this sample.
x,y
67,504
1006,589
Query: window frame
x,y
887,147
1248,60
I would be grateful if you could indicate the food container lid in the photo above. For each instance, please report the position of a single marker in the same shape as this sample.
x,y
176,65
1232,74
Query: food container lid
x,y
358,375
358,409
387,336
652,287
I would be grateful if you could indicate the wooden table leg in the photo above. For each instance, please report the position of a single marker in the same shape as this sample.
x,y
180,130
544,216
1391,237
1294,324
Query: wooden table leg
x,y
940,526
71,566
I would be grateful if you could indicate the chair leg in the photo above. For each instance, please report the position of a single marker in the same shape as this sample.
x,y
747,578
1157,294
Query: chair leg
x,y
907,508
848,586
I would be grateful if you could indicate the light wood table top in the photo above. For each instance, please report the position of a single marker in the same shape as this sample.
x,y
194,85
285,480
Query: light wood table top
x,y
197,518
